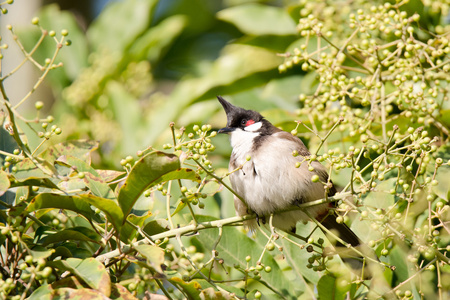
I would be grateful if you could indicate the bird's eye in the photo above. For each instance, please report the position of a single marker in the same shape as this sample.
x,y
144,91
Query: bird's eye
x,y
243,122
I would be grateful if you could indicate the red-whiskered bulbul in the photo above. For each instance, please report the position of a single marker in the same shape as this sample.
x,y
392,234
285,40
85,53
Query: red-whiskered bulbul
x,y
271,181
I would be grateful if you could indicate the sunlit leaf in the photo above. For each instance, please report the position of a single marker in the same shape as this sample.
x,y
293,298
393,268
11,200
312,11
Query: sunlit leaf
x,y
151,45
381,198
39,252
4,182
119,292
258,19
89,270
44,293
192,289
233,69
27,169
91,177
127,231
211,294
128,115
109,175
152,169
211,188
98,187
80,149
154,255
113,30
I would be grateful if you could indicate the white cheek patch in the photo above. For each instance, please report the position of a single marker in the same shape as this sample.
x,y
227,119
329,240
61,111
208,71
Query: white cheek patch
x,y
254,127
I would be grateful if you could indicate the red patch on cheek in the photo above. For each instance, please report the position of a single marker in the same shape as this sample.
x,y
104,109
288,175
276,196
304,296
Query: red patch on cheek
x,y
249,122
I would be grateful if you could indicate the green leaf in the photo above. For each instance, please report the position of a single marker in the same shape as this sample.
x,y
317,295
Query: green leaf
x,y
120,23
179,208
98,187
329,289
78,233
127,231
381,198
152,169
211,294
235,253
27,169
119,292
128,114
258,19
43,182
80,149
89,270
80,204
192,289
109,175
66,293
227,287
154,255
151,45
233,69
72,249
156,226
73,203
211,187
298,259
95,184
4,182
69,282
77,164
44,292
39,252
62,252
397,258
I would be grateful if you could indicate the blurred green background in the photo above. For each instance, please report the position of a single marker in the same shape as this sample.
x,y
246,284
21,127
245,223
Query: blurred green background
x,y
141,64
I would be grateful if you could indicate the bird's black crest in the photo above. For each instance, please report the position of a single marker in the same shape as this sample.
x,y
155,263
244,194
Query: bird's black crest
x,y
236,114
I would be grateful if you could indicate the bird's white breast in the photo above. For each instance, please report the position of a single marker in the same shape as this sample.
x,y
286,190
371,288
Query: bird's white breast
x,y
270,181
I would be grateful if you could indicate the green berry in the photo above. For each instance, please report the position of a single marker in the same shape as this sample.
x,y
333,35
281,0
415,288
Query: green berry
x,y
270,246
39,105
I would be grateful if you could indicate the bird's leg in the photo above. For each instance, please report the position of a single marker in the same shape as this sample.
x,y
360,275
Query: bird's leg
x,y
263,219
298,201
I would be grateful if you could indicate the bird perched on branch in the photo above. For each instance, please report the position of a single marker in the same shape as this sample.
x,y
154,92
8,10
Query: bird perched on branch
x,y
272,171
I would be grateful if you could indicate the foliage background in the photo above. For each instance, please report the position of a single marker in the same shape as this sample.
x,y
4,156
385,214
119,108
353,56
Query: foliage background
x,y
143,64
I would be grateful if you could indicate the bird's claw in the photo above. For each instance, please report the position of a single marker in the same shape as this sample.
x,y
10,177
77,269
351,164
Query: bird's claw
x,y
263,219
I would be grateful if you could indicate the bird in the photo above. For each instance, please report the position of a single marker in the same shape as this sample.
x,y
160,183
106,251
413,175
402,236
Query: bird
x,y
271,170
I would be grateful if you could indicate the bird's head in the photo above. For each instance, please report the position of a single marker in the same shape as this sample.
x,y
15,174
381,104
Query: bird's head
x,y
242,120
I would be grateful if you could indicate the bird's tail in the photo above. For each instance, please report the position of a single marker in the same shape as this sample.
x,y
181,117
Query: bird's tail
x,y
354,260
344,232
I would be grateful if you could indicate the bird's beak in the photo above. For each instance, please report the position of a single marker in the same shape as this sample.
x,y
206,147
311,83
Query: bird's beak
x,y
226,130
